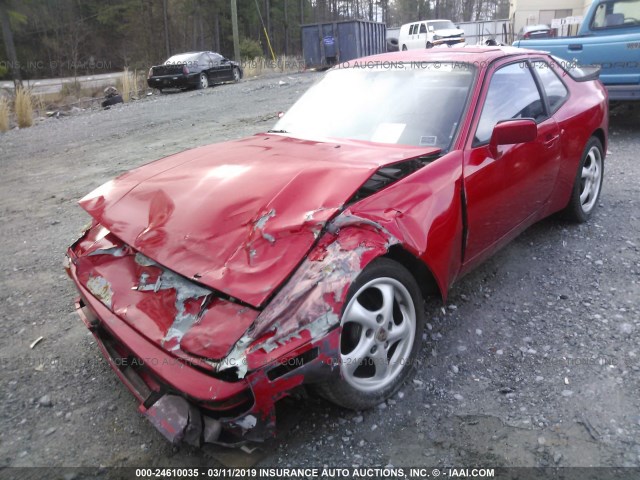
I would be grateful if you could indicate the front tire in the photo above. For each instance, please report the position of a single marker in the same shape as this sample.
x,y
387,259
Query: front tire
x,y
587,184
382,324
236,74
404,48
429,45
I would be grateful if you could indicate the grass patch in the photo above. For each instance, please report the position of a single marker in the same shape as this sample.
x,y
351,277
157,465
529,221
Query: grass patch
x,y
24,108
260,65
128,85
71,89
4,114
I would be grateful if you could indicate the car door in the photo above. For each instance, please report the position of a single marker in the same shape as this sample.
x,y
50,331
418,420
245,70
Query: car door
x,y
422,36
205,65
409,41
226,68
415,38
216,67
506,187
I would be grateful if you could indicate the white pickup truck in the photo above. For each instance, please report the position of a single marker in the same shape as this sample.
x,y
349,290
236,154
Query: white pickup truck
x,y
429,33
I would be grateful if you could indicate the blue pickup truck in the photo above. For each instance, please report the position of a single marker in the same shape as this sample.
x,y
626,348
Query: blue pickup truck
x,y
609,36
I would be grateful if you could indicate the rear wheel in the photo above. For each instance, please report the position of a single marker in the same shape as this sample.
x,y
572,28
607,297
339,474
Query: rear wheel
x,y
429,45
203,82
587,184
382,327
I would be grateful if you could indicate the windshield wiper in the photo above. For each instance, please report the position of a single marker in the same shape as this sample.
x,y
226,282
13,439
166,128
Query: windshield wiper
x,y
277,131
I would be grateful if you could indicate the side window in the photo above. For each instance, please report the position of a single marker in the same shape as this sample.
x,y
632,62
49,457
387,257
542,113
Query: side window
x,y
204,61
423,28
553,86
411,29
599,16
512,94
618,13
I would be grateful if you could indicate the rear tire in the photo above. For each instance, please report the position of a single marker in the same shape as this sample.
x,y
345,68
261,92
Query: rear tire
x,y
382,324
587,184
429,45
203,83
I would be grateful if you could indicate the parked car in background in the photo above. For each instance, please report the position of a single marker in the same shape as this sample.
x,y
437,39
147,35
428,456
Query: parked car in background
x,y
536,31
429,33
609,37
218,280
193,70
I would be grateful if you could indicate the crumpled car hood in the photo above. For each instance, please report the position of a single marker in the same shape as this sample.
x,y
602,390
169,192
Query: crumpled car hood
x,y
239,216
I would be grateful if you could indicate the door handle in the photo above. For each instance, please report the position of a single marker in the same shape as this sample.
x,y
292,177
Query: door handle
x,y
575,46
550,140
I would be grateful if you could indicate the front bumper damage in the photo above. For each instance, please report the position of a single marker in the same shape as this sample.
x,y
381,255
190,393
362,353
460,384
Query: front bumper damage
x,y
229,401
188,405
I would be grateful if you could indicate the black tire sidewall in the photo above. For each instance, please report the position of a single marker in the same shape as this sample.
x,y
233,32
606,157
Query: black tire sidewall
x,y
574,210
344,394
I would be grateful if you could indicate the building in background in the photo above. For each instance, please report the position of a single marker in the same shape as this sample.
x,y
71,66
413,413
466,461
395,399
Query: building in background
x,y
533,12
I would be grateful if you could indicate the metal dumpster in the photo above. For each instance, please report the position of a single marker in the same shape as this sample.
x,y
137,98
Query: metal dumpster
x,y
327,43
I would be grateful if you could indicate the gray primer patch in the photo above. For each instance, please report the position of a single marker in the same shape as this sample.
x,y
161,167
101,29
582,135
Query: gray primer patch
x,y
101,289
113,251
185,290
262,221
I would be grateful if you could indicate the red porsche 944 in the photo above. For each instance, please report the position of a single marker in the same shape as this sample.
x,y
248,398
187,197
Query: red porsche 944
x,y
218,280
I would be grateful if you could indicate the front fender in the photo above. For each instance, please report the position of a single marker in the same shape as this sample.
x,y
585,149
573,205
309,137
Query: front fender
x,y
310,303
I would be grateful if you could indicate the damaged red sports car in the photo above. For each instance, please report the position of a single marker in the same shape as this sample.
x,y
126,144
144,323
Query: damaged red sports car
x,y
219,279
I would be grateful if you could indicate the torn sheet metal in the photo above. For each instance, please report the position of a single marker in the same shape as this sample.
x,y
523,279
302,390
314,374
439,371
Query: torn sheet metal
x,y
243,232
310,303
184,291
164,306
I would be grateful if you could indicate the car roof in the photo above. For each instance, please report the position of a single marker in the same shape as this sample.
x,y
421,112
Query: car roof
x,y
480,54
540,26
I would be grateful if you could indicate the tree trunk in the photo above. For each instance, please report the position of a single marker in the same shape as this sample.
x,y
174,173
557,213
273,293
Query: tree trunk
x,y
167,41
216,31
7,37
286,28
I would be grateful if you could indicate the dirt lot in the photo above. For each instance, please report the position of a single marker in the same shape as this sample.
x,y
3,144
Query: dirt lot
x,y
533,362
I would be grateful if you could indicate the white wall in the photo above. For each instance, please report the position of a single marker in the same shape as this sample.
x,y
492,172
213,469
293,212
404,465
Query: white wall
x,y
527,12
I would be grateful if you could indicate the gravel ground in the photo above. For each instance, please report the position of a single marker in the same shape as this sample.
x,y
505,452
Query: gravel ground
x,y
533,362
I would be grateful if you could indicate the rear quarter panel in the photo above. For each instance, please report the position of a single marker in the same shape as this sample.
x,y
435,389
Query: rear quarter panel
x,y
585,114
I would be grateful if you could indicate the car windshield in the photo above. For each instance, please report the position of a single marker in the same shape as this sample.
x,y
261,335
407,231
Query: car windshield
x,y
416,104
442,25
186,58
